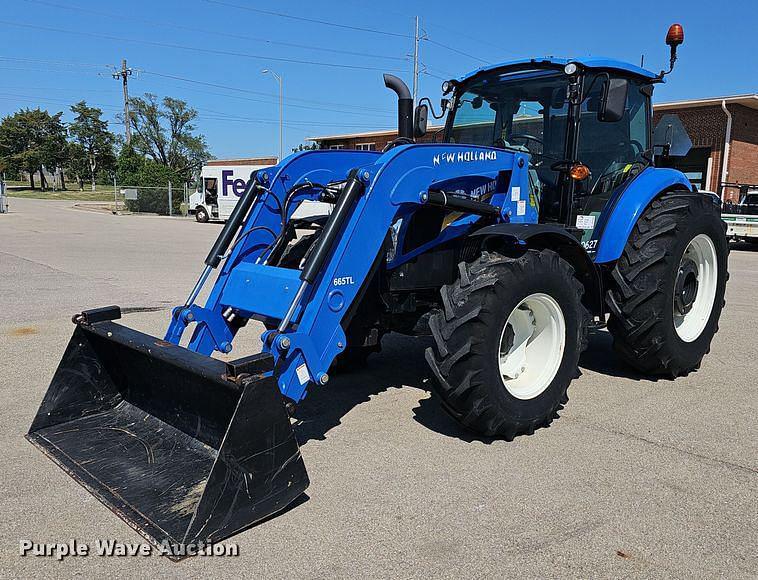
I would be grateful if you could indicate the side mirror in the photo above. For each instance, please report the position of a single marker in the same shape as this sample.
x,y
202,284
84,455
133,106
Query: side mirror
x,y
613,100
420,119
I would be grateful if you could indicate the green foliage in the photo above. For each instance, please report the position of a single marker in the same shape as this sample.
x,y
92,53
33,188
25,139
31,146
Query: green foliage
x,y
164,132
92,143
304,147
77,166
153,179
128,166
31,138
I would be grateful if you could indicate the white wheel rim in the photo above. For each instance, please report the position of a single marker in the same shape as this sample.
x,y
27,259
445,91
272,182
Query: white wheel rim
x,y
531,352
689,325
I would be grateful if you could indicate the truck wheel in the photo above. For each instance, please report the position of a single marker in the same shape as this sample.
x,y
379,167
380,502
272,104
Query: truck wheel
x,y
201,215
508,341
668,286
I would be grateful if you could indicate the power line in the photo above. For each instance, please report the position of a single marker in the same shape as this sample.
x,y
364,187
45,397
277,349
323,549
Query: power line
x,y
56,62
341,109
450,48
194,48
363,113
311,20
206,31
458,34
248,91
203,114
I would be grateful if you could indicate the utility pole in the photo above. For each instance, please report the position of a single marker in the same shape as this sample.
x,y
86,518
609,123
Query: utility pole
x,y
124,74
415,62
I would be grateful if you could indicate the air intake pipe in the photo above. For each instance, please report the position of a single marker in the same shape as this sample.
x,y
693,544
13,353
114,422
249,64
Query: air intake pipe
x,y
404,105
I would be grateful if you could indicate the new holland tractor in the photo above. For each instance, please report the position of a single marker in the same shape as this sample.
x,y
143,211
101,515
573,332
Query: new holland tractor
x,y
542,210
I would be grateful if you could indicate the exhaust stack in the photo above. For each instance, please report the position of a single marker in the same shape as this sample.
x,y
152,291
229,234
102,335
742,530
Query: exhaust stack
x,y
404,105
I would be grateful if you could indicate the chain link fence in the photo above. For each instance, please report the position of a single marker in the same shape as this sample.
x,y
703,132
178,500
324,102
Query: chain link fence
x,y
160,200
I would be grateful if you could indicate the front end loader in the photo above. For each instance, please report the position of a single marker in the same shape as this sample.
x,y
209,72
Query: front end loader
x,y
545,210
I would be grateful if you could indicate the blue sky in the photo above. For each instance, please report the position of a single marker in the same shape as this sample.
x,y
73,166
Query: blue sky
x,y
210,53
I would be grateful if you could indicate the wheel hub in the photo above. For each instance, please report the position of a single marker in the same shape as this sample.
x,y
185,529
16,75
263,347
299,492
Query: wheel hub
x,y
685,289
695,288
531,346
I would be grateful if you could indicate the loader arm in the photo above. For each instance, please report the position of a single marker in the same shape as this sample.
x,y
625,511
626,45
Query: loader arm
x,y
393,184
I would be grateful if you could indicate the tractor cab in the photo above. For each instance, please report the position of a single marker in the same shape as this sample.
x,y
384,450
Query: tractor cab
x,y
585,123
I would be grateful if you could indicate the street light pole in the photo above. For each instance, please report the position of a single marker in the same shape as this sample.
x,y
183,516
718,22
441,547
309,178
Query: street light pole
x,y
281,110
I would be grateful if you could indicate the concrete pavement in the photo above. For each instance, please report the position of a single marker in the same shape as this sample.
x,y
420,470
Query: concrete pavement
x,y
637,478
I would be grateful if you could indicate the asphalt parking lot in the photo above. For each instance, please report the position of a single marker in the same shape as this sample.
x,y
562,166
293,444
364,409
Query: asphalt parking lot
x,y
637,478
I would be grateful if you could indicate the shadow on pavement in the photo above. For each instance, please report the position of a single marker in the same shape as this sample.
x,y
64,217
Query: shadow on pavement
x,y
601,358
401,364
743,246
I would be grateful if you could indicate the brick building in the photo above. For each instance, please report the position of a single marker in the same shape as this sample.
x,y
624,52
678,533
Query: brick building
x,y
720,127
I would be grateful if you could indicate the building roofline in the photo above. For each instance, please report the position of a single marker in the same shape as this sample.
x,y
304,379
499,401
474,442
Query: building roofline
x,y
747,99
365,134
266,160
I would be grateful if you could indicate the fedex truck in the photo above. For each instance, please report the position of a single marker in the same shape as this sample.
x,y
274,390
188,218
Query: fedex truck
x,y
222,182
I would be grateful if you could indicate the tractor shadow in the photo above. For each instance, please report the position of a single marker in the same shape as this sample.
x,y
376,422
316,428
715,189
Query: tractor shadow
x,y
401,364
601,358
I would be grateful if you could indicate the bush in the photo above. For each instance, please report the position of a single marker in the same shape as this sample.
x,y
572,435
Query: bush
x,y
151,180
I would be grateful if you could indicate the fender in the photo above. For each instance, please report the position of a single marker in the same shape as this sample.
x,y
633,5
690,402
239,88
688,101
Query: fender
x,y
548,236
626,205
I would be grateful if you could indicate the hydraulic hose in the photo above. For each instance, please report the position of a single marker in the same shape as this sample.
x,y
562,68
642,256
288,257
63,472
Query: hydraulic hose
x,y
233,223
350,194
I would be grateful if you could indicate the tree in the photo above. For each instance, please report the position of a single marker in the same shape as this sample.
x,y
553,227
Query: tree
x,y
303,147
31,139
128,166
93,140
164,132
77,163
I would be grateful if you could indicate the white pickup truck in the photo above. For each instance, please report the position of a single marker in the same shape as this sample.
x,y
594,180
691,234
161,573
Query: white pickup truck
x,y
743,224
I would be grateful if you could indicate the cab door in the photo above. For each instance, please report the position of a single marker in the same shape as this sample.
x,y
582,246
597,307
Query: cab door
x,y
614,151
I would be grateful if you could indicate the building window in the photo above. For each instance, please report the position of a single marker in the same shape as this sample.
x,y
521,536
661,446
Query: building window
x,y
365,146
336,146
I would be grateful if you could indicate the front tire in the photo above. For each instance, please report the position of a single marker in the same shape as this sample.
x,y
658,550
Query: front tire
x,y
668,286
508,342
201,215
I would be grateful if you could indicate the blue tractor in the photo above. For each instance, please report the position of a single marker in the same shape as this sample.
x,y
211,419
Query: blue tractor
x,y
543,209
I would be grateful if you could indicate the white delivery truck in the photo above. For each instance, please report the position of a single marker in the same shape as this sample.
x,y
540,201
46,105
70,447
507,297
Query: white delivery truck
x,y
222,183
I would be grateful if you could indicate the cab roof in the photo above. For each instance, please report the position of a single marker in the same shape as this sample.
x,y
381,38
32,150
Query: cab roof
x,y
590,62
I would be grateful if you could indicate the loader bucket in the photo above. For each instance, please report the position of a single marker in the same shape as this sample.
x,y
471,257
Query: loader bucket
x,y
186,449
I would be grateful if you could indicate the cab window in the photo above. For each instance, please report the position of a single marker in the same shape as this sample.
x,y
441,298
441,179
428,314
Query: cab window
x,y
614,151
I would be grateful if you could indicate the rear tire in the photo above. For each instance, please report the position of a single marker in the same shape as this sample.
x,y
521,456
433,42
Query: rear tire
x,y
201,215
668,286
478,331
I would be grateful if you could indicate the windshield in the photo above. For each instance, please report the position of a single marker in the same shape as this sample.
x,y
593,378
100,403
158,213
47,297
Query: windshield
x,y
524,110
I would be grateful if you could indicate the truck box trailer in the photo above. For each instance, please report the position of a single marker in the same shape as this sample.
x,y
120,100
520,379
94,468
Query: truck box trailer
x,y
222,183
